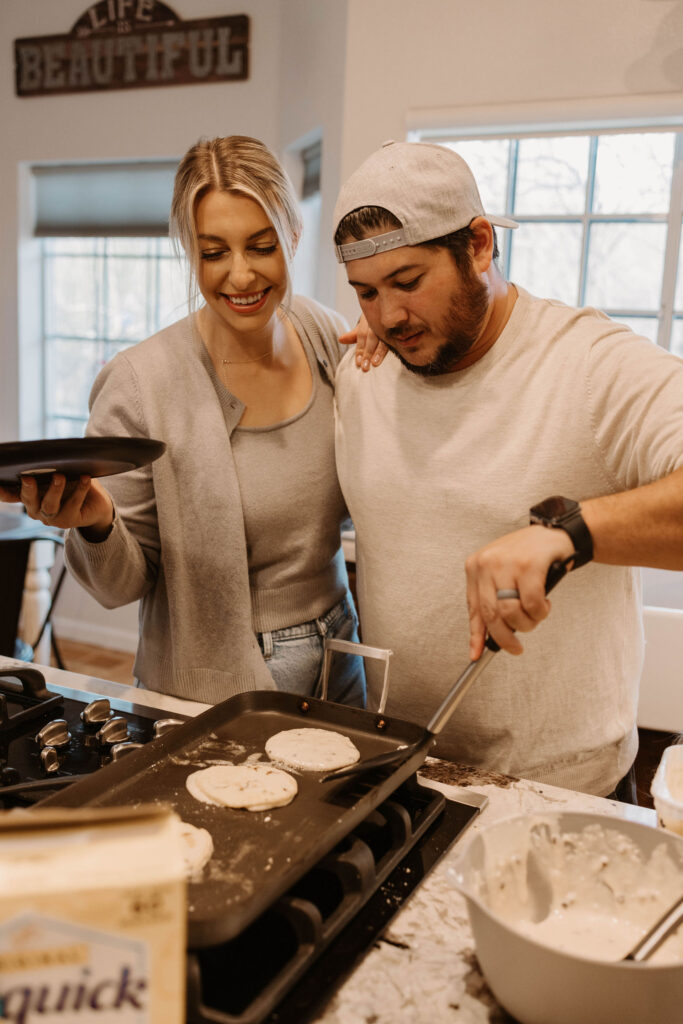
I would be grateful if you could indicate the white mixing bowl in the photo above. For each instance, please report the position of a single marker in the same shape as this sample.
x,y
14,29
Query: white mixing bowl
x,y
536,982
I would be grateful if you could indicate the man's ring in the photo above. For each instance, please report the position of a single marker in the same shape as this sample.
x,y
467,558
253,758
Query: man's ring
x,y
505,595
48,515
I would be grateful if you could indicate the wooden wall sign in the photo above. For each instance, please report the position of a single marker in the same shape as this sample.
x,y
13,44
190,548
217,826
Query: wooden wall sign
x,y
131,44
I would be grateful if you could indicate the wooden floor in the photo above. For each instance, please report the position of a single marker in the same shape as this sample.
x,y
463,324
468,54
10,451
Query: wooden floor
x,y
118,666
97,661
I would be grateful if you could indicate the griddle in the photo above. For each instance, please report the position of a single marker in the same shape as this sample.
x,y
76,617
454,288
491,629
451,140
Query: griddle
x,y
258,855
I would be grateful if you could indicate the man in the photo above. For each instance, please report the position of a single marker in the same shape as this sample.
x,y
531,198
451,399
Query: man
x,y
495,401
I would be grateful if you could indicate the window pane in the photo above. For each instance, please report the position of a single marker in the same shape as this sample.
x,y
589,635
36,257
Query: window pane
x,y
677,336
73,246
110,292
71,368
645,325
130,287
625,265
633,173
131,246
63,427
72,290
488,161
546,260
551,175
172,292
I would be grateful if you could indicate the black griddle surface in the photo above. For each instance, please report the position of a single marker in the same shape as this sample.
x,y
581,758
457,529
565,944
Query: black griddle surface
x,y
257,855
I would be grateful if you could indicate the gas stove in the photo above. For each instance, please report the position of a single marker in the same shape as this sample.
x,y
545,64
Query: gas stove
x,y
285,966
51,734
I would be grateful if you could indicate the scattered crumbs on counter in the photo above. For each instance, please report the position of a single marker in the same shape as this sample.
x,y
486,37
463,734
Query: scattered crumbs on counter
x,y
450,773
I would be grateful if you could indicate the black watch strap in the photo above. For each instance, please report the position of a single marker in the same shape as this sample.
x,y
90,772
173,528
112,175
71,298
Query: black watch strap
x,y
565,514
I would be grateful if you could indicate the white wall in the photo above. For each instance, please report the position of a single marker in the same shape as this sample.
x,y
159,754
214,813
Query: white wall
x,y
313,44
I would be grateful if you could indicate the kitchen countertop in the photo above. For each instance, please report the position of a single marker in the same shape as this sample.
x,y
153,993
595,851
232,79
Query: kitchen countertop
x,y
424,970
105,688
424,967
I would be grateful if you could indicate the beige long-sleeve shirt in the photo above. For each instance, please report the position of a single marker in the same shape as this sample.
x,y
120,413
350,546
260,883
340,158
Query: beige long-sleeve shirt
x,y
178,541
566,402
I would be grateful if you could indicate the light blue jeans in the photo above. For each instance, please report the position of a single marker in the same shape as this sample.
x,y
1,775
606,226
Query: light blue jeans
x,y
294,656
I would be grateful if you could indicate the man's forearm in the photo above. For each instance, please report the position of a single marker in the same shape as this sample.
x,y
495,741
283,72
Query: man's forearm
x,y
639,527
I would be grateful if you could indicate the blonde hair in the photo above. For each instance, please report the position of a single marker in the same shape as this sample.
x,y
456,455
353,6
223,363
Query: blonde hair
x,y
240,165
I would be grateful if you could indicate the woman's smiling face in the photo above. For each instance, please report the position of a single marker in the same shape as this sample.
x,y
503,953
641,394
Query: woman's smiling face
x,y
241,268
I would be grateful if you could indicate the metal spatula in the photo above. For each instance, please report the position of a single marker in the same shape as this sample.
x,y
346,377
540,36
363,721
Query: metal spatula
x,y
460,687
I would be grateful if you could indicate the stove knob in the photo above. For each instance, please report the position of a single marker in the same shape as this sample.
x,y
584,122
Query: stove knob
x,y
9,776
120,750
113,731
164,725
49,759
54,734
97,711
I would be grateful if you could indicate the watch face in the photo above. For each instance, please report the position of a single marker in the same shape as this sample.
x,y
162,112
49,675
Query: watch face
x,y
554,508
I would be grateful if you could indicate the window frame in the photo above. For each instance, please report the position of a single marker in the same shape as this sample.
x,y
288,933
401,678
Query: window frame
x,y
592,129
102,258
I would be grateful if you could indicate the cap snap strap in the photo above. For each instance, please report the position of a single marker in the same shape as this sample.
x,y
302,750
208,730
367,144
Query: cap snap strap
x,y
370,246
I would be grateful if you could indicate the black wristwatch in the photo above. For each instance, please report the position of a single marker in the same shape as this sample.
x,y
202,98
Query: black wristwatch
x,y
565,514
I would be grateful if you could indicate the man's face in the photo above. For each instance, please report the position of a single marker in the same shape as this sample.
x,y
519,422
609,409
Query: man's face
x,y
428,312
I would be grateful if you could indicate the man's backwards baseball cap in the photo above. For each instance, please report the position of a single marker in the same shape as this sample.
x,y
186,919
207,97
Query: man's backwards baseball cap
x,y
429,188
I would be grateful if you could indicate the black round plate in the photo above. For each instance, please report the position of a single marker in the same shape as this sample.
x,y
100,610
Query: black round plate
x,y
76,456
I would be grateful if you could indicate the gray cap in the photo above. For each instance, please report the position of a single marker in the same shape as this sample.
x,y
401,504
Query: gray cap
x,y
429,188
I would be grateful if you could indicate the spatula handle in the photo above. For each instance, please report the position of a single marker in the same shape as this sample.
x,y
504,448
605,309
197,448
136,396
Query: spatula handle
x,y
555,573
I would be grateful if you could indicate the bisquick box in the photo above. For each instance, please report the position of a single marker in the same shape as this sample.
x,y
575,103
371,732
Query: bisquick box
x,y
92,916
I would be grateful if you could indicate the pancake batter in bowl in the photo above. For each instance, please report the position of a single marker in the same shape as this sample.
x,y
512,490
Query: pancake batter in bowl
x,y
591,893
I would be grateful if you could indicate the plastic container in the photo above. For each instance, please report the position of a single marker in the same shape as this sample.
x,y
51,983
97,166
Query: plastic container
x,y
667,789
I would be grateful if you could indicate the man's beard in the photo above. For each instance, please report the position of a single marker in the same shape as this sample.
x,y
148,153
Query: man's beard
x,y
460,328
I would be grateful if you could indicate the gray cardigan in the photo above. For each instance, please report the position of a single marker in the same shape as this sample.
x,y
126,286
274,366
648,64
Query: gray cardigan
x,y
176,544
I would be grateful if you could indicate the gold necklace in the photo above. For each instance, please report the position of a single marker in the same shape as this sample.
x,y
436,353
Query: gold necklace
x,y
243,362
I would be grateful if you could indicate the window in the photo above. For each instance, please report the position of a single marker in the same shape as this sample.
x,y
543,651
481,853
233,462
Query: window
x,y
100,295
109,275
600,217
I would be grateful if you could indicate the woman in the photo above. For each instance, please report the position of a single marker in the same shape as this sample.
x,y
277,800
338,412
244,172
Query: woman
x,y
231,540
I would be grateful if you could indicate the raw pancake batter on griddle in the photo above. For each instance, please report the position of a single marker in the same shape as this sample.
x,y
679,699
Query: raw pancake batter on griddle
x,y
313,750
197,849
255,787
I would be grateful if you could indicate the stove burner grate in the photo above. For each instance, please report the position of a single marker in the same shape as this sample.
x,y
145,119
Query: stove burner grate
x,y
286,964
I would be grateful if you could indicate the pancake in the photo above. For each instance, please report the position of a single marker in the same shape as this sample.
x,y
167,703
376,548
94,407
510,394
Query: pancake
x,y
254,787
312,750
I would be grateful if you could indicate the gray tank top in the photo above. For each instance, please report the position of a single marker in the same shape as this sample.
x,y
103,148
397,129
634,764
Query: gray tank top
x,y
293,508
